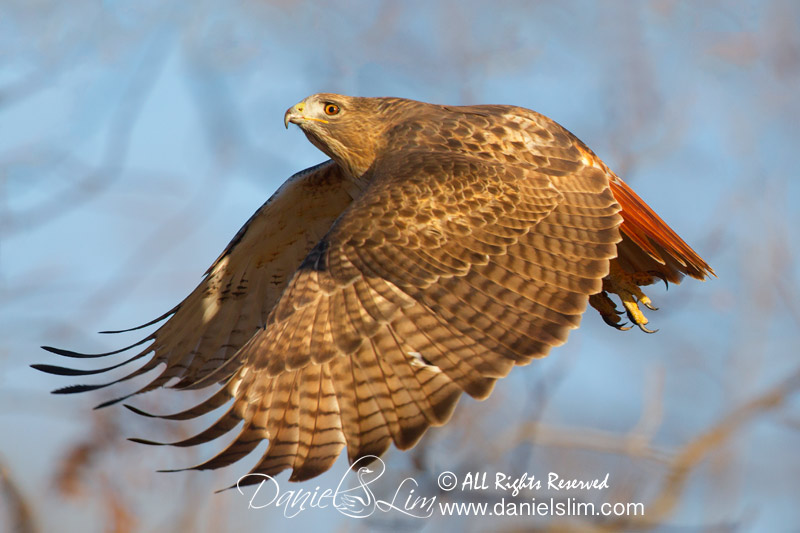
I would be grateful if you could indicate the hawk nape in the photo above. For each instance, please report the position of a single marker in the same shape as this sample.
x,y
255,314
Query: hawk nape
x,y
439,247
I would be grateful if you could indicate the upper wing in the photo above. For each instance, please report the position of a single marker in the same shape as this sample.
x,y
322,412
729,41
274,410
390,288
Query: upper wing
x,y
240,288
445,273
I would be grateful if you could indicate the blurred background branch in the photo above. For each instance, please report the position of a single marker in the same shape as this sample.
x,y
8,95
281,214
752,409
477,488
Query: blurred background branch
x,y
20,515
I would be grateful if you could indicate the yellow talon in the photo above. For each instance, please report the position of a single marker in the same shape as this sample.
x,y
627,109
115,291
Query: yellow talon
x,y
634,313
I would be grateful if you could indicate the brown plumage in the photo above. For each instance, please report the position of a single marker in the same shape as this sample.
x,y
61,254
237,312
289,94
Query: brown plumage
x,y
437,249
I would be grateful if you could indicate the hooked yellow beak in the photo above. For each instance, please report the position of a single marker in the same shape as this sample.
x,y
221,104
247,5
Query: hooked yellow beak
x,y
295,115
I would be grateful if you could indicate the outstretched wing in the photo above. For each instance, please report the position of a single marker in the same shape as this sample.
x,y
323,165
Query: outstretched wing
x,y
442,276
203,332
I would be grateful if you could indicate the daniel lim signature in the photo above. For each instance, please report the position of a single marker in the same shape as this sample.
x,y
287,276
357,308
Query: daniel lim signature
x,y
356,502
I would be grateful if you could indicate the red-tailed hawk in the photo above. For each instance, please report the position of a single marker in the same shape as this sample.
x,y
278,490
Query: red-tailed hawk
x,y
439,247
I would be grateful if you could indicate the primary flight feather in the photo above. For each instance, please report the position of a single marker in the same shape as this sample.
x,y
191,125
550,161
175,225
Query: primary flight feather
x,y
439,247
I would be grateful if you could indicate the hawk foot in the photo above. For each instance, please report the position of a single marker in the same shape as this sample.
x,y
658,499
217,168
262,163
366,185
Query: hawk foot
x,y
625,286
608,311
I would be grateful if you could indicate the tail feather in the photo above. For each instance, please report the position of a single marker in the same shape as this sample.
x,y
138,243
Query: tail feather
x,y
646,229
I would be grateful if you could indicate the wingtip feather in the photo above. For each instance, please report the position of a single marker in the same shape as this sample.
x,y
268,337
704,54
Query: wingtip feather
x,y
79,355
139,411
73,389
147,442
150,323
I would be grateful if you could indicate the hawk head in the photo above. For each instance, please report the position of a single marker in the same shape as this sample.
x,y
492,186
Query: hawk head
x,y
348,129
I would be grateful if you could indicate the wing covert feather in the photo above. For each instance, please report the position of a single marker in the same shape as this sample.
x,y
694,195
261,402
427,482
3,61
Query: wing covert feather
x,y
418,294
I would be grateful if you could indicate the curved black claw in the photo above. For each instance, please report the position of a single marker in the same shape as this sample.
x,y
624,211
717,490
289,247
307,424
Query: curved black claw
x,y
645,329
616,325
660,276
650,306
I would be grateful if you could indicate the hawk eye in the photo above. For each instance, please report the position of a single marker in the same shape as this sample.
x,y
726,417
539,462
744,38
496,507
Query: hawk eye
x,y
331,109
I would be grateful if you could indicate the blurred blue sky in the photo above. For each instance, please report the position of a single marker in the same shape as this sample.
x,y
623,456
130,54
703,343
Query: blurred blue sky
x,y
137,137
